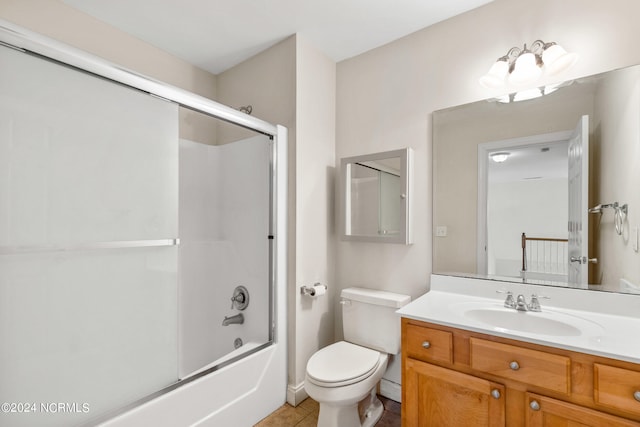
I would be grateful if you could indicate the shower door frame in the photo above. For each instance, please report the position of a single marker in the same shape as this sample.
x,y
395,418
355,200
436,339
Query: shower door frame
x,y
31,43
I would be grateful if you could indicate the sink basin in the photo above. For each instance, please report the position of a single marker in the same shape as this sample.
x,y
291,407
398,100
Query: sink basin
x,y
547,322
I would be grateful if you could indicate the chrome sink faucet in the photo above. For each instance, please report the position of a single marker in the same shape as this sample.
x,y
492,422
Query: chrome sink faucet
x,y
520,302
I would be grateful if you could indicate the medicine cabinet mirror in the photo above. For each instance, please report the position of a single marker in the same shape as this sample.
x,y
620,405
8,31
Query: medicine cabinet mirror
x,y
375,197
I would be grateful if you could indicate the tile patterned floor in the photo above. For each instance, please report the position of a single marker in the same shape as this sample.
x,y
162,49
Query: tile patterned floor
x,y
306,415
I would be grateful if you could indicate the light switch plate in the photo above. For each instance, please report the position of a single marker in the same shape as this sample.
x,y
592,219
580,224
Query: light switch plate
x,y
441,231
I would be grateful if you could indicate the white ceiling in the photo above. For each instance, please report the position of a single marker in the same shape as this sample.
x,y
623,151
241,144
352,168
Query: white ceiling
x,y
218,34
532,162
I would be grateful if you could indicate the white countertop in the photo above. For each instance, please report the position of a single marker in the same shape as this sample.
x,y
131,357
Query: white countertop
x,y
612,321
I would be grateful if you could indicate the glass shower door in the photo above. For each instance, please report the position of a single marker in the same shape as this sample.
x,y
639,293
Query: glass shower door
x,y
88,227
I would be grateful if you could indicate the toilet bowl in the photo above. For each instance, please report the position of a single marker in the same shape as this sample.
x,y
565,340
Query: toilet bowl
x,y
345,374
339,377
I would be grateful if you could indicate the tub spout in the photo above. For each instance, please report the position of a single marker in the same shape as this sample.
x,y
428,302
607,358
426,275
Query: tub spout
x,y
238,319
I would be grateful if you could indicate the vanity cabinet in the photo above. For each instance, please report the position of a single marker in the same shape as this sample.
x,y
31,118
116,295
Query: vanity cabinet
x,y
455,377
435,395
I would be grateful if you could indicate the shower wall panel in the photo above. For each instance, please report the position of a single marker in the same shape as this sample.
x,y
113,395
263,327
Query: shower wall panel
x,y
224,224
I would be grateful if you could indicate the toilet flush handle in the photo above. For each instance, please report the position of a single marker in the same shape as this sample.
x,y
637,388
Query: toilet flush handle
x,y
345,302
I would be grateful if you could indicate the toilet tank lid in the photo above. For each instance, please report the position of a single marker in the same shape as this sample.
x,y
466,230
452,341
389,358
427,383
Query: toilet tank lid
x,y
372,296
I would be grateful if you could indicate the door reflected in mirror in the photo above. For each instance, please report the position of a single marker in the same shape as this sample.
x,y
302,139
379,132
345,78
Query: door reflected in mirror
x,y
525,193
529,189
375,197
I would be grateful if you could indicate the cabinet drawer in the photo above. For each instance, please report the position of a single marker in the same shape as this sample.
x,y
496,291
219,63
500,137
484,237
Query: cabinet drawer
x,y
617,388
429,345
538,368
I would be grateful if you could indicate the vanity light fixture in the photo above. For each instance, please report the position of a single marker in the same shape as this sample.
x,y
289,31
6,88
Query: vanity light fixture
x,y
522,67
499,156
527,94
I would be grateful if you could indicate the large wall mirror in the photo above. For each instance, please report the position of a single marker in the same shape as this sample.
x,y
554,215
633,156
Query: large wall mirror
x,y
544,190
375,197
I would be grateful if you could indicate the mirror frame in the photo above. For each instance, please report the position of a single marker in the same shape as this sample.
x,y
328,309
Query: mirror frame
x,y
344,216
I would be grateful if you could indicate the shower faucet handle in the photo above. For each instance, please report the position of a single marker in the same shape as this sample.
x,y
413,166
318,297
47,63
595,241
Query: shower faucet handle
x,y
239,298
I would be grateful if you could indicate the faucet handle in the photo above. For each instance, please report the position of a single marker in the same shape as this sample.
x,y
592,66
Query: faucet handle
x,y
240,298
509,302
534,305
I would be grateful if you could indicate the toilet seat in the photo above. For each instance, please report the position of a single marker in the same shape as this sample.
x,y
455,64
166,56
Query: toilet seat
x,y
341,364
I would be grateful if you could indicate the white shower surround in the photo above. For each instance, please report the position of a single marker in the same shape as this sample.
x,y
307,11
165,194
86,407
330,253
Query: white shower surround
x,y
244,392
223,227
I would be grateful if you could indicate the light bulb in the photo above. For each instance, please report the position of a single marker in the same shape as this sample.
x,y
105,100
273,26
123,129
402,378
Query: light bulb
x,y
499,156
525,71
556,59
496,75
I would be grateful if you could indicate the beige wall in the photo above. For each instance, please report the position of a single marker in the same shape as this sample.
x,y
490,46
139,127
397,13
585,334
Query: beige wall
x,y
267,83
315,172
618,125
385,98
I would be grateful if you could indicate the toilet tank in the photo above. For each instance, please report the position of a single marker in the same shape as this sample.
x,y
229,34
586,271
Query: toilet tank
x,y
369,318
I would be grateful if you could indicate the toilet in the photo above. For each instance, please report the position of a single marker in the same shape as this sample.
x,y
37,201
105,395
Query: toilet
x,y
344,374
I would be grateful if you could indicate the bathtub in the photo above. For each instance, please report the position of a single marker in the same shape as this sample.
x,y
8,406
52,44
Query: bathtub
x,y
239,394
234,356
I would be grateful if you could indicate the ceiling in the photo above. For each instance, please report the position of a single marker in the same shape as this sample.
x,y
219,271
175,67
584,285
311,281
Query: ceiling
x,y
217,34
540,161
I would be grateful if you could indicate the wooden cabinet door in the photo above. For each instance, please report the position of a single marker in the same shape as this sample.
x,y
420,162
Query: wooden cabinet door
x,y
616,388
547,412
439,397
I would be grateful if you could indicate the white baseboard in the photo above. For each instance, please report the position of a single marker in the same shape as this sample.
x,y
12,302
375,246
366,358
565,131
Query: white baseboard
x,y
390,390
296,394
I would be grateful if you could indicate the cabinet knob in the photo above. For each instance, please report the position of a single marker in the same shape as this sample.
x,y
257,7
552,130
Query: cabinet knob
x,y
534,405
495,393
636,395
514,365
426,344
